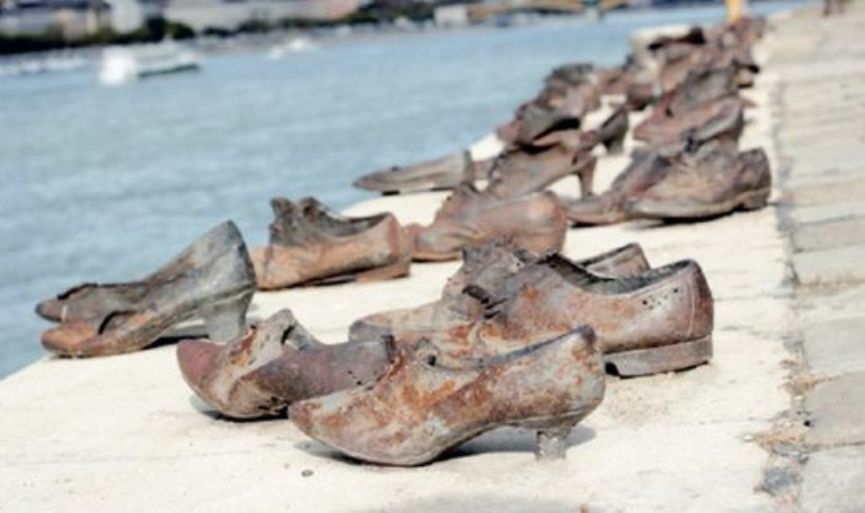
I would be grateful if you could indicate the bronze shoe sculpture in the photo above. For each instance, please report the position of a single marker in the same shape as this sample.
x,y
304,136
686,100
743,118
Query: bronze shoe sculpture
x,y
712,181
470,217
487,266
274,364
659,321
310,244
706,105
522,170
723,119
701,86
420,408
442,173
211,279
645,169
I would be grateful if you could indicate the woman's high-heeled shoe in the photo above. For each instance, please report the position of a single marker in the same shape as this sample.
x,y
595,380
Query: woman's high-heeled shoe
x,y
420,408
522,170
212,279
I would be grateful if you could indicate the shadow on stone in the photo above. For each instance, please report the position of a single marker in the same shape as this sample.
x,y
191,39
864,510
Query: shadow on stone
x,y
482,504
501,440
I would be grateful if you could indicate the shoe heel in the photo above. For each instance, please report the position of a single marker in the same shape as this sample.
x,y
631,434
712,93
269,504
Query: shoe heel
x,y
641,362
616,145
755,200
226,320
552,439
586,175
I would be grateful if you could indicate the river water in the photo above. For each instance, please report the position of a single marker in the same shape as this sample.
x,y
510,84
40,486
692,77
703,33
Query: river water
x,y
105,184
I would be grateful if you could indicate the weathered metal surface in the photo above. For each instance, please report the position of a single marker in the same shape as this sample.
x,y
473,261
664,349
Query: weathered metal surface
x,y
495,263
274,364
470,217
420,408
442,173
213,278
646,169
711,180
662,307
309,243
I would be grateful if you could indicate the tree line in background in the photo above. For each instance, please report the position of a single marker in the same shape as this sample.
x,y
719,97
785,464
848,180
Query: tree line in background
x,y
157,29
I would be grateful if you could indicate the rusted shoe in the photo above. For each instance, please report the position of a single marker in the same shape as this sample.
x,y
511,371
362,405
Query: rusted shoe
x,y
310,244
536,122
212,279
723,119
571,89
658,321
275,364
646,169
711,181
522,170
713,46
420,408
569,93
441,173
700,87
470,217
486,267
705,105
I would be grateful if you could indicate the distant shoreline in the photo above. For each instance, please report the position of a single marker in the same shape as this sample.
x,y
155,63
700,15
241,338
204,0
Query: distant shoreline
x,y
255,41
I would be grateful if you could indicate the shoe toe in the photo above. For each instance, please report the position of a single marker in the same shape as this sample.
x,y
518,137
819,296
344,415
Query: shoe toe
x,y
198,360
70,338
50,309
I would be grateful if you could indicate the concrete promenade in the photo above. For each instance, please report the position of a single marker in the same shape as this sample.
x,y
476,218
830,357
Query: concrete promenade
x,y
820,105
125,434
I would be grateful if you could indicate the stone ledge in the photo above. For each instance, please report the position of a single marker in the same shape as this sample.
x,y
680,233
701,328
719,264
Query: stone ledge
x,y
837,411
830,266
835,347
830,234
834,481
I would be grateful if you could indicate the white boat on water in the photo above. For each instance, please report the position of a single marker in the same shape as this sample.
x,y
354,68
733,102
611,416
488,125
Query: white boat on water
x,y
294,45
12,67
121,64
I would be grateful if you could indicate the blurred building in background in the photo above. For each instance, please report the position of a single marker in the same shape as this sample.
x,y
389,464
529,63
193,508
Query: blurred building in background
x,y
229,14
74,18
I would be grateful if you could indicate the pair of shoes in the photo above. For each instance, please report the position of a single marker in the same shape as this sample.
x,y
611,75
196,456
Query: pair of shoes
x,y
278,362
537,153
534,359
646,320
702,182
531,359
396,406
310,244
211,279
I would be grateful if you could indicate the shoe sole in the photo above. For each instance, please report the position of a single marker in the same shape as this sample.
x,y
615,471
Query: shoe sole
x,y
387,272
752,200
655,360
